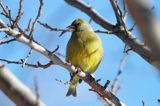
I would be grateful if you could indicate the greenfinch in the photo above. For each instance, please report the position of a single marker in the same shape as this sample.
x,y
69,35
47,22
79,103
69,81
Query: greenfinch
x,y
84,50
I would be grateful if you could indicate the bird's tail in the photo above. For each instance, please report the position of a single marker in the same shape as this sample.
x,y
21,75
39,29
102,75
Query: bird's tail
x,y
72,87
72,90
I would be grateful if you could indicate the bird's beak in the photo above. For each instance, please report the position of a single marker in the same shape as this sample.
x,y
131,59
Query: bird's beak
x,y
71,28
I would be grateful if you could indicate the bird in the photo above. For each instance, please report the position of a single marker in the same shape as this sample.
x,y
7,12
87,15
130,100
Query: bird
x,y
84,50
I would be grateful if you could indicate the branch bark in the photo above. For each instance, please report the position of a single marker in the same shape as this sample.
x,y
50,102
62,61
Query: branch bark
x,y
15,90
147,23
128,38
105,93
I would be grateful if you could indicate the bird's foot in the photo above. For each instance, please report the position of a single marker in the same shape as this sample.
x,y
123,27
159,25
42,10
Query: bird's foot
x,y
78,69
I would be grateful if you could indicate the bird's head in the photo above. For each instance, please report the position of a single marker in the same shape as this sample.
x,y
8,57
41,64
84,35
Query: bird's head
x,y
80,25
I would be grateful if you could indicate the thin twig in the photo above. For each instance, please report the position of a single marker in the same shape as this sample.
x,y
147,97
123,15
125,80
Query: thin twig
x,y
115,86
38,65
7,13
119,17
6,42
62,33
132,28
45,25
13,23
106,84
27,57
116,11
55,50
5,37
28,26
63,82
37,18
20,13
3,8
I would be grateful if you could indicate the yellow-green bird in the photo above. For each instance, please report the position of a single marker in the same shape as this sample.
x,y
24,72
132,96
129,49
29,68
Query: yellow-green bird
x,y
84,50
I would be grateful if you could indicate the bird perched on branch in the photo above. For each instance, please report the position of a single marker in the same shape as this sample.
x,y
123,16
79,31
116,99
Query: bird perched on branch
x,y
84,50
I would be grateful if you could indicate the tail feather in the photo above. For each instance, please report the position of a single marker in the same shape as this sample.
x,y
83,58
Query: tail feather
x,y
73,85
72,91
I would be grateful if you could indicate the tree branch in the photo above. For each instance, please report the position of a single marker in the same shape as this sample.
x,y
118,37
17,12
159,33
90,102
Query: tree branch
x,y
15,90
148,24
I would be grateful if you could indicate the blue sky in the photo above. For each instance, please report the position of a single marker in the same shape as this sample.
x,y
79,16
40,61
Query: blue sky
x,y
139,80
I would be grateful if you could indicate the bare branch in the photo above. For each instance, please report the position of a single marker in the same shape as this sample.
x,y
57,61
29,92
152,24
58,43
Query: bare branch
x,y
28,27
55,50
117,11
7,13
148,24
3,8
119,17
6,42
27,57
63,82
45,25
38,65
37,18
20,13
11,86
115,86
132,28
106,84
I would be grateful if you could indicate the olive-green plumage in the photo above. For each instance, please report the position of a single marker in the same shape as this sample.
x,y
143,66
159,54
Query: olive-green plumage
x,y
84,50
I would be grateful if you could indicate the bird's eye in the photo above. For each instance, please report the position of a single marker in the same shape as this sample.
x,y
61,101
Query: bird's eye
x,y
78,24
